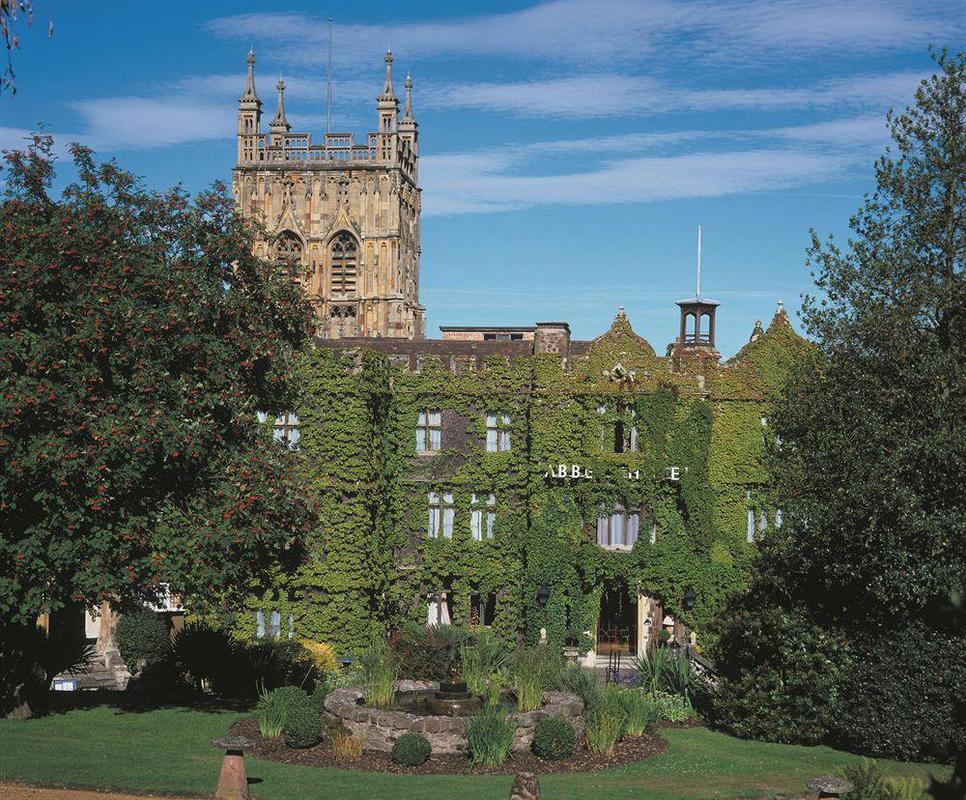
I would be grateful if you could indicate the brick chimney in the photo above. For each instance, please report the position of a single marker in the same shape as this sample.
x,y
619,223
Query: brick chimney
x,y
552,337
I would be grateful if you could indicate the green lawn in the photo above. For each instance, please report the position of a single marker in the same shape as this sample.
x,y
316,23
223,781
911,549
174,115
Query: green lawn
x,y
169,751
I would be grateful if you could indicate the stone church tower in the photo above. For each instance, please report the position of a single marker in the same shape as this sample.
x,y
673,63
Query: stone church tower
x,y
343,216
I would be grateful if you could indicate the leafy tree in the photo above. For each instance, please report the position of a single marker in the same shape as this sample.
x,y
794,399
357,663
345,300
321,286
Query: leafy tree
x,y
872,458
138,337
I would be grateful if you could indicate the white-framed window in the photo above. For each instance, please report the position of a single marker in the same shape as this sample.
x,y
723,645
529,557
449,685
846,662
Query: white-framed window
x,y
285,429
762,522
750,530
622,437
617,528
441,514
497,433
437,609
429,431
653,533
482,516
778,518
269,625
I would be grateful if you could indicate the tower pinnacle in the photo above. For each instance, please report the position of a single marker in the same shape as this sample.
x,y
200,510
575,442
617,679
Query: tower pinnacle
x,y
387,91
250,95
408,112
280,123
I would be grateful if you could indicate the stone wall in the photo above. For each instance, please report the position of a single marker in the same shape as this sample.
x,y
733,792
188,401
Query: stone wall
x,y
381,728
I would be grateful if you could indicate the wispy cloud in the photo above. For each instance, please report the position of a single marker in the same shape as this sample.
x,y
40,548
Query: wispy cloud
x,y
135,123
648,167
612,95
581,31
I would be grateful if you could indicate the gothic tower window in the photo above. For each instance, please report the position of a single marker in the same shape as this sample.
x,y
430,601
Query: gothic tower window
x,y
344,262
289,252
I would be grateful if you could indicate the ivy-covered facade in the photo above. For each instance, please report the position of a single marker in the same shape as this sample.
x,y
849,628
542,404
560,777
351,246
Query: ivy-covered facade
x,y
548,488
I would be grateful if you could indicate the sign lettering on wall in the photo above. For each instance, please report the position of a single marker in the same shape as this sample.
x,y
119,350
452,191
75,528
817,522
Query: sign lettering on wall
x,y
577,472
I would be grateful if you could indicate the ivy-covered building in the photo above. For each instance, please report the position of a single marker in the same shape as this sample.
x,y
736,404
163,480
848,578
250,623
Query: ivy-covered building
x,y
547,487
509,477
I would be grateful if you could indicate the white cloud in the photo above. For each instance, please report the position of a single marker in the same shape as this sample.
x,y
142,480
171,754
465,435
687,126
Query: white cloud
x,y
139,123
483,183
614,95
581,31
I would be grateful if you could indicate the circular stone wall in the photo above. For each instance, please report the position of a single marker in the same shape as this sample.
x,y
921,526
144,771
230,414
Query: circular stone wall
x,y
446,734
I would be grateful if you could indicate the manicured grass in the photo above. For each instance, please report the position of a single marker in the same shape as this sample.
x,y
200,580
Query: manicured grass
x,y
168,751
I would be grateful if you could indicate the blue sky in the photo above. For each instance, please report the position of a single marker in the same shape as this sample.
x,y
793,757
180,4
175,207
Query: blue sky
x,y
569,149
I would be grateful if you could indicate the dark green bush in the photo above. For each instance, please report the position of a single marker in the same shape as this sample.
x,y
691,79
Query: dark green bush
x,y
899,698
411,749
428,652
554,738
303,725
143,635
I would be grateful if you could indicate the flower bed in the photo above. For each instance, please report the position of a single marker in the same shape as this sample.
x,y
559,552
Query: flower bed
x,y
447,735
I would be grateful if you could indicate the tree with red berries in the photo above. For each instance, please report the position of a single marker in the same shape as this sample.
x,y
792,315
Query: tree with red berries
x,y
139,337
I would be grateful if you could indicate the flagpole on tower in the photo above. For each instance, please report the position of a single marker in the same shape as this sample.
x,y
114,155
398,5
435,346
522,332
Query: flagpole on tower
x,y
328,89
699,262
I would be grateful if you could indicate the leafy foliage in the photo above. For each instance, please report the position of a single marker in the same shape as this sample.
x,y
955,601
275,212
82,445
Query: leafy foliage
x,y
428,652
379,670
554,738
274,707
604,723
483,661
489,736
303,725
824,644
411,749
641,711
138,337
143,636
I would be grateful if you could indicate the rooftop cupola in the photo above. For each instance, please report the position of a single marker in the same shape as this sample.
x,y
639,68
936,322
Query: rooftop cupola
x,y
280,124
697,315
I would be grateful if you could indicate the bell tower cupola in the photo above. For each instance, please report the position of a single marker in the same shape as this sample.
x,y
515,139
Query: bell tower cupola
x,y
697,316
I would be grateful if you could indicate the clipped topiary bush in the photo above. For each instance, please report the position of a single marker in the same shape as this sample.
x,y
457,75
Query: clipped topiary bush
x,y
142,636
554,738
303,726
411,749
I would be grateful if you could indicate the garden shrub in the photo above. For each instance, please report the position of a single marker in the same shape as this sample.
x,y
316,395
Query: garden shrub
x,y
321,655
865,778
143,636
274,707
428,652
345,745
903,789
642,712
411,749
303,725
379,674
482,659
489,736
580,681
604,723
898,700
207,657
554,738
673,708
534,670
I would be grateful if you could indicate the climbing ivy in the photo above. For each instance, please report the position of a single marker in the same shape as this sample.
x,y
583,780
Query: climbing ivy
x,y
372,564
